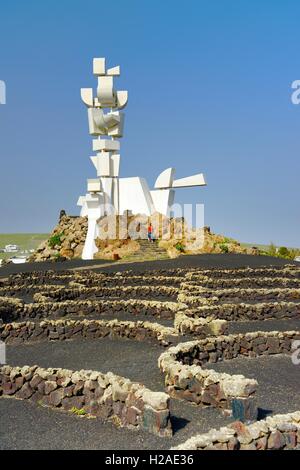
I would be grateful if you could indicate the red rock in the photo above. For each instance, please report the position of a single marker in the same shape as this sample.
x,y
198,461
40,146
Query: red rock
x,y
276,440
9,388
261,443
25,392
56,397
19,382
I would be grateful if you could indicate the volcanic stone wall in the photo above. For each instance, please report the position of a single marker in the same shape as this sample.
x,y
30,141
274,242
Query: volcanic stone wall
x,y
104,395
287,271
246,311
209,296
279,432
23,332
185,377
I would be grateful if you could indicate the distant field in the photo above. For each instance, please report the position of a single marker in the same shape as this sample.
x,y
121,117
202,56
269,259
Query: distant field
x,y
265,247
26,241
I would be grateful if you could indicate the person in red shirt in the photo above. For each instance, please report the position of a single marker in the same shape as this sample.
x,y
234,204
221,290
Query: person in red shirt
x,y
150,233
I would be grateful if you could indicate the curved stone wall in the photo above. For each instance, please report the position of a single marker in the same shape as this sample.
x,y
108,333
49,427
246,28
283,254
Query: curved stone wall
x,y
279,432
104,395
13,333
185,377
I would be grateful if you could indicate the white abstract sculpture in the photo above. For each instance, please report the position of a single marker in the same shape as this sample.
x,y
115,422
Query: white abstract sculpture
x,y
108,194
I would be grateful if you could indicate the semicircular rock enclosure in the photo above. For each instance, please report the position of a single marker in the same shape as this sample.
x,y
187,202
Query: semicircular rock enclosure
x,y
200,359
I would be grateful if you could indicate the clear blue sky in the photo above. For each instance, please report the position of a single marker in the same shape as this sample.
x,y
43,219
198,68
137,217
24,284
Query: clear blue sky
x,y
209,90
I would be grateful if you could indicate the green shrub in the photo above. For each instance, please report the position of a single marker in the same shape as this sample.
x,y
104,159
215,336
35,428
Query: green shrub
x,y
224,248
228,240
55,240
284,252
78,412
179,246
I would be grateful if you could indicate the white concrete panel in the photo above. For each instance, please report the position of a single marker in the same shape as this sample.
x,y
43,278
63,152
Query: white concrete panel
x,y
115,158
99,66
117,130
114,71
106,164
122,99
134,195
106,145
163,200
115,194
165,179
93,128
105,91
189,181
87,96
94,204
94,185
82,203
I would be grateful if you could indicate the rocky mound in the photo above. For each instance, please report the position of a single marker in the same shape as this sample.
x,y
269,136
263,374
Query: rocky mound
x,y
119,237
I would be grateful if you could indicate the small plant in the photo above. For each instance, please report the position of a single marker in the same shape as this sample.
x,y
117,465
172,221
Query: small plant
x,y
224,248
78,411
116,420
55,240
272,251
228,240
179,246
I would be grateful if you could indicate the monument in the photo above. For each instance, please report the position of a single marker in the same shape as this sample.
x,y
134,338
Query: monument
x,y
110,194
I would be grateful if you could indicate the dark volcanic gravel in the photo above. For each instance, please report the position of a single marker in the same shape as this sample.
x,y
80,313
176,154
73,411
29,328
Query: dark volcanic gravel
x,y
207,261
132,359
264,325
278,380
23,425
124,357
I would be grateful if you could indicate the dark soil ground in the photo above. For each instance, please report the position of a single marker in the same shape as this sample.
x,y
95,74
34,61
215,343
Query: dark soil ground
x,y
24,425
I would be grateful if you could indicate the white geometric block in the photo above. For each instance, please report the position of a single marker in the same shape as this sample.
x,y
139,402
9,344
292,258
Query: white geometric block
x,y
87,96
103,163
134,195
94,129
99,66
106,145
81,201
114,71
118,129
94,185
115,159
165,179
163,200
105,92
94,205
189,181
107,184
101,123
122,99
